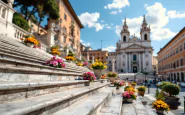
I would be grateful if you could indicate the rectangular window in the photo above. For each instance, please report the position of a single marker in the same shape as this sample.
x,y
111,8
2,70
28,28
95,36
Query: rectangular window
x,y
184,45
64,39
65,16
181,62
177,50
180,47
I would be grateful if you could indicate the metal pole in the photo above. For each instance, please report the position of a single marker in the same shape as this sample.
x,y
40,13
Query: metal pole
x,y
184,104
148,89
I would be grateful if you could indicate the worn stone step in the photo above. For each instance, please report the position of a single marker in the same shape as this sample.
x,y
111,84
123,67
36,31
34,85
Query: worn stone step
x,y
89,106
137,108
114,105
9,62
19,90
49,103
21,52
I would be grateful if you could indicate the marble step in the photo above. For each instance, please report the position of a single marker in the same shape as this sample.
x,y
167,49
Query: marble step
x,y
49,103
114,105
90,105
136,108
15,58
10,62
19,90
29,52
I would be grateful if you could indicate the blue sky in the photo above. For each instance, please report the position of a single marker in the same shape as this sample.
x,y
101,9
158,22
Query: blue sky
x,y
103,19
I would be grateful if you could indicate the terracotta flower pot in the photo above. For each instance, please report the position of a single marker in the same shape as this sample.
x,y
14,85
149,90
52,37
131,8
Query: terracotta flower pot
x,y
142,93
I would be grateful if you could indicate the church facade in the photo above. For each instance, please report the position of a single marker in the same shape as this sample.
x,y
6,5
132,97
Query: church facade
x,y
134,54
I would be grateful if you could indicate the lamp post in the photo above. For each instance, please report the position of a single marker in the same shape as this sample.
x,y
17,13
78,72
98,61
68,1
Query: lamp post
x,y
184,104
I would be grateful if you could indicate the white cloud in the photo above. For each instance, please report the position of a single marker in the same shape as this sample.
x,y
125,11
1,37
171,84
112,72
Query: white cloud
x,y
157,18
81,41
110,48
87,44
117,4
114,12
175,14
91,20
145,5
108,27
163,33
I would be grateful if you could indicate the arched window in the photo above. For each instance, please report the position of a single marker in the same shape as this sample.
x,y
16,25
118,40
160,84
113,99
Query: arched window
x,y
145,36
124,39
134,57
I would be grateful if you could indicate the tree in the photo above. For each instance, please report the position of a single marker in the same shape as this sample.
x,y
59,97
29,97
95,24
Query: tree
x,y
38,9
21,22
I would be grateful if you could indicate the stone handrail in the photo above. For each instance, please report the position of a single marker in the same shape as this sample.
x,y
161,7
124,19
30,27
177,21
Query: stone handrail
x,y
19,32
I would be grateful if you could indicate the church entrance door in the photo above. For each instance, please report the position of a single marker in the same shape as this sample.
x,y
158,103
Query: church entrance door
x,y
134,69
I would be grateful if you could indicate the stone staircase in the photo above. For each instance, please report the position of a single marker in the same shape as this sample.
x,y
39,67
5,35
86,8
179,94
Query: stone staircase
x,y
28,87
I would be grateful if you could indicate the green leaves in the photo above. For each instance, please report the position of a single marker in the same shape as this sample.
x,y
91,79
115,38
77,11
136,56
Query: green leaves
x,y
21,22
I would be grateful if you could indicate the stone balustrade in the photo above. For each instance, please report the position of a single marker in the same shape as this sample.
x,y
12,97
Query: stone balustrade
x,y
19,32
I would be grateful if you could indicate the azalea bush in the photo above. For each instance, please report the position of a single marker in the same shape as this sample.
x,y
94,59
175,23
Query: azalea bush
x,y
54,50
160,105
119,83
56,62
85,63
129,95
89,76
112,74
99,65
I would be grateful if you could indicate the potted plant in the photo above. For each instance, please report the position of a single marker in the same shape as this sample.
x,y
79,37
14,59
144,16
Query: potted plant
x,y
129,88
133,84
98,68
54,50
112,76
163,84
129,96
141,90
119,83
103,78
89,76
56,62
172,90
30,41
79,64
160,106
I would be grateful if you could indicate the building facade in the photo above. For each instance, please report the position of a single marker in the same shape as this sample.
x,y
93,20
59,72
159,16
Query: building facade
x,y
134,54
68,34
172,58
92,55
155,64
111,61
